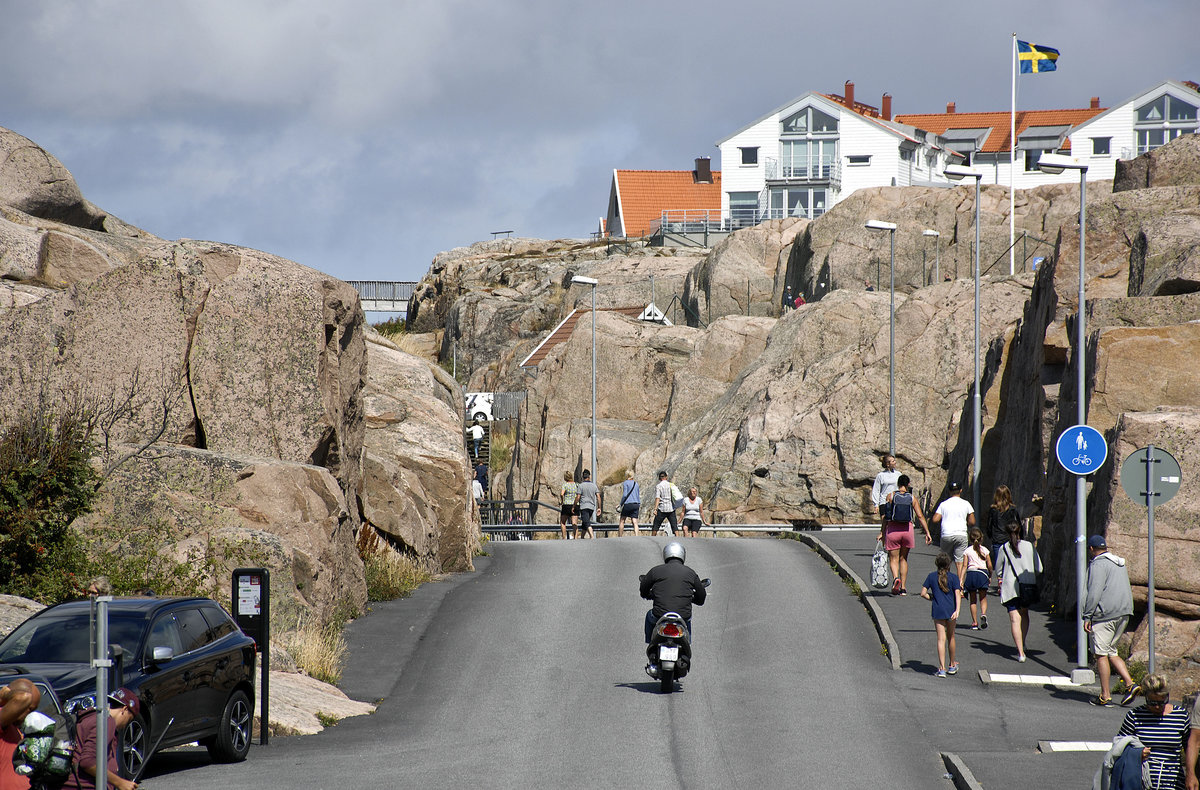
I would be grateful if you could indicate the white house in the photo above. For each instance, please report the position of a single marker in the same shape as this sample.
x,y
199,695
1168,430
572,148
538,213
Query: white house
x,y
800,159
804,157
1142,123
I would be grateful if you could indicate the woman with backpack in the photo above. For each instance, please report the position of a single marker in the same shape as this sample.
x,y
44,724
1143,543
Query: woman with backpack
x,y
897,532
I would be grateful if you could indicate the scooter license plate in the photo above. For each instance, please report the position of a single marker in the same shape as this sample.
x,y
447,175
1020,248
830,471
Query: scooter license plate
x,y
666,653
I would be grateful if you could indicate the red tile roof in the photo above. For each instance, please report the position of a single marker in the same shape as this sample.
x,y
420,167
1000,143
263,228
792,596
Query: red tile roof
x,y
997,140
646,194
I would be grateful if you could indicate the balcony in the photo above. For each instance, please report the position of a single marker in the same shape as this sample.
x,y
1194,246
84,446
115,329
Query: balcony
x,y
813,170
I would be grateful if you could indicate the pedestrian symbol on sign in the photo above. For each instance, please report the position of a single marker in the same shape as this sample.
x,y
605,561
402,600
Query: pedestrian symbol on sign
x,y
1089,453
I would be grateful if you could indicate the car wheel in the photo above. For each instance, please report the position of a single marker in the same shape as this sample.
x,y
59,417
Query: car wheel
x,y
480,416
232,743
134,742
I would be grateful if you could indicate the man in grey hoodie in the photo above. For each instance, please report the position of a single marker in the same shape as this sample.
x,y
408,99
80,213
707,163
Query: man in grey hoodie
x,y
1107,606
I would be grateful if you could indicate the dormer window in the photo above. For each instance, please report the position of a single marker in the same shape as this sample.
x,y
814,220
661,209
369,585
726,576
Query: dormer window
x,y
1162,120
809,120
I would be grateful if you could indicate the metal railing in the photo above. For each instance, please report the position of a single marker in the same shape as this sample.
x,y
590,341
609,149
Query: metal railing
x,y
811,169
384,291
1023,242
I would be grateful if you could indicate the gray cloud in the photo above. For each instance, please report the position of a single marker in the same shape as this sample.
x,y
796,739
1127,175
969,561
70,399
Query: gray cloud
x,y
361,138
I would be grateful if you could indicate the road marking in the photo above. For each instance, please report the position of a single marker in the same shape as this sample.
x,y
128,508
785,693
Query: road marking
x,y
1074,746
1031,680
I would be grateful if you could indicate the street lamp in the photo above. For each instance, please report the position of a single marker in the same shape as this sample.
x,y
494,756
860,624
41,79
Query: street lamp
x,y
590,281
1055,164
937,252
890,227
958,173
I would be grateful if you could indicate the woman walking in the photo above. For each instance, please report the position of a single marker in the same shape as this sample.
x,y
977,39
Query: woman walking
x,y
942,589
1018,565
1162,727
979,576
897,532
693,513
568,503
999,516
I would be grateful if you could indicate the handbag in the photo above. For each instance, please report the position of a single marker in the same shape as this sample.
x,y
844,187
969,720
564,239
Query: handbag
x,y
1028,593
880,575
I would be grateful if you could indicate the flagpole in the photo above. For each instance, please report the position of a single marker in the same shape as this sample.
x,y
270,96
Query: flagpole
x,y
1012,164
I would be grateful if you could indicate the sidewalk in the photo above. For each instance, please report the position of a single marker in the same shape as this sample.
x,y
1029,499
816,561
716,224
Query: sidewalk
x,y
1056,726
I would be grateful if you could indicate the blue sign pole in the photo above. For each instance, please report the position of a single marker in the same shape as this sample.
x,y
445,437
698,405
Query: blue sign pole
x,y
1081,450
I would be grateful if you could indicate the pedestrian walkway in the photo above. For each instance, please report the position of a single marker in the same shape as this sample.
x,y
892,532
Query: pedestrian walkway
x,y
1053,725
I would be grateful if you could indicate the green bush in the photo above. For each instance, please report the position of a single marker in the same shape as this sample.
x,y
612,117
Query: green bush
x,y
46,481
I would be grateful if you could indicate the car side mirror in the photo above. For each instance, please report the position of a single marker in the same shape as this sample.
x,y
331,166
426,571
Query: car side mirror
x,y
705,582
161,654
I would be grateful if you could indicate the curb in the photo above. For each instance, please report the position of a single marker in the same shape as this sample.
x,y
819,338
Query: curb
x,y
868,601
959,772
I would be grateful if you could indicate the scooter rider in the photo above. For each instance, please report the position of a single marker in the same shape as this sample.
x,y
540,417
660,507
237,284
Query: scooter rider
x,y
673,587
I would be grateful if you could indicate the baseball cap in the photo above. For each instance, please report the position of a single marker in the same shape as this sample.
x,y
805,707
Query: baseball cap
x,y
955,485
125,698
1097,542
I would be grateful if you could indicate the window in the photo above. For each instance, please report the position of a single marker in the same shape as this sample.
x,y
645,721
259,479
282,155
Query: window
x,y
749,155
193,629
1032,155
743,208
1100,146
906,154
1162,120
797,202
165,633
858,160
218,622
808,120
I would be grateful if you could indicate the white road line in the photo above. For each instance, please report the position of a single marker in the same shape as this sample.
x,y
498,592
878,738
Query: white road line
x,y
1074,746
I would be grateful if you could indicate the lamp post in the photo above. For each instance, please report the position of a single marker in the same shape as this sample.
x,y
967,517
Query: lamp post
x,y
1055,164
890,227
958,173
937,252
593,283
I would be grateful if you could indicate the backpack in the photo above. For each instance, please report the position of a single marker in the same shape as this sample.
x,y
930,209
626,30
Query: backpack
x,y
902,507
676,496
46,755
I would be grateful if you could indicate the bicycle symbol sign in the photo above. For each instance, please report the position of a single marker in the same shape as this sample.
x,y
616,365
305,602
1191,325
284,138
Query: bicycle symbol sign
x,y
1081,449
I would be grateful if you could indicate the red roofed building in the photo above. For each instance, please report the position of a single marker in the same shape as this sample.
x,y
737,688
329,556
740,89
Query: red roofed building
x,y
640,201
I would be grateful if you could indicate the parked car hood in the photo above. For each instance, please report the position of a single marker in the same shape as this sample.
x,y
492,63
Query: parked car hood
x,y
67,679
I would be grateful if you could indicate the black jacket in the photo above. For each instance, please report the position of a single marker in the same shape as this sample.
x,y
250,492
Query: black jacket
x,y
674,587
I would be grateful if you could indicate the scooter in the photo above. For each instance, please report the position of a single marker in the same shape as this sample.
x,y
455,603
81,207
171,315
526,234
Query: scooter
x,y
669,654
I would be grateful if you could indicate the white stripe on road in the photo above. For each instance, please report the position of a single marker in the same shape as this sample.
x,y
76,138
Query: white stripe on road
x,y
1033,680
1074,746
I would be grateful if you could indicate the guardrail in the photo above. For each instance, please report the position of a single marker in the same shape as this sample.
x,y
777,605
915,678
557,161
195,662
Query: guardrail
x,y
525,531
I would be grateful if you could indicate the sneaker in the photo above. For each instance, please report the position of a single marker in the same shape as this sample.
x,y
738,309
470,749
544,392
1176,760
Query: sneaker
x,y
1131,695
974,627
941,673
983,621
896,587
1021,659
1101,702
903,591
953,670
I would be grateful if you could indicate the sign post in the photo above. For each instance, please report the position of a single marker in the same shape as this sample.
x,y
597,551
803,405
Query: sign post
x,y
252,613
1151,476
1081,450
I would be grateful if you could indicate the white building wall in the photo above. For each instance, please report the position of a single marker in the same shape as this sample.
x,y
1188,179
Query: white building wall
x,y
736,177
861,137
1116,124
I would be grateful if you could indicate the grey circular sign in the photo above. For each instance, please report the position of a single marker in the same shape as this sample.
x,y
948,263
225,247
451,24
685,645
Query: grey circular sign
x,y
1164,476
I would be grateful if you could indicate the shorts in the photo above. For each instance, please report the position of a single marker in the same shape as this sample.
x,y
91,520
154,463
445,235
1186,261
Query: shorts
x,y
955,546
568,512
1106,633
630,509
692,524
898,535
668,515
585,517
976,581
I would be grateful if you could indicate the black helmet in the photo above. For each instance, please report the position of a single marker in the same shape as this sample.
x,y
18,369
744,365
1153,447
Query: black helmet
x,y
674,550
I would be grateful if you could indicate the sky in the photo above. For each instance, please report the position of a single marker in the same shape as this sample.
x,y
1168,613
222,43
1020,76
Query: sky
x,y
362,137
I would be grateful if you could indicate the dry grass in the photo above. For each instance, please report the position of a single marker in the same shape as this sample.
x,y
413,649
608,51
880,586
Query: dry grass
x,y
318,650
391,575
409,344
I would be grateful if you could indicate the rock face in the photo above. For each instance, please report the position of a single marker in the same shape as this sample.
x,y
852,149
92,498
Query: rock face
x,y
247,372
416,476
744,273
1177,162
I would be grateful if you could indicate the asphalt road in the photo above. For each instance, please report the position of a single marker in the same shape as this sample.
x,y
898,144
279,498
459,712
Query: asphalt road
x,y
528,673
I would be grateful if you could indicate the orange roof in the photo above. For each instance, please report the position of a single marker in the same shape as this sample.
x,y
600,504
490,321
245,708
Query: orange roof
x,y
997,140
646,194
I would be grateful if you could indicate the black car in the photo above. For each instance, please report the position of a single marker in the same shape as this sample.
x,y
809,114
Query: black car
x,y
185,658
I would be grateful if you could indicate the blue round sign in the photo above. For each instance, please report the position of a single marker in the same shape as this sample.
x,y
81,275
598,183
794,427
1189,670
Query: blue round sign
x,y
1081,449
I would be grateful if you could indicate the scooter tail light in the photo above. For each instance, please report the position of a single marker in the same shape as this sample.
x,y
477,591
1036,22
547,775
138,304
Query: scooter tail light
x,y
672,630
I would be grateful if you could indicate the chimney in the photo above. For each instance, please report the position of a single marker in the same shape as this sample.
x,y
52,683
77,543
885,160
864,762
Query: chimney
x,y
950,108
1095,102
703,173
850,94
887,106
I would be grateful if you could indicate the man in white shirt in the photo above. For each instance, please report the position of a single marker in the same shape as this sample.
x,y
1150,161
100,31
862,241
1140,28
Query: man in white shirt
x,y
664,505
885,482
956,516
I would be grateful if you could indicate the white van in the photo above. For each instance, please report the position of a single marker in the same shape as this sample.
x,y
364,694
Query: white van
x,y
479,406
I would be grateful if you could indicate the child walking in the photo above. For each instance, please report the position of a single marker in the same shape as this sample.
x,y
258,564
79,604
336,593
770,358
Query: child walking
x,y
943,590
979,575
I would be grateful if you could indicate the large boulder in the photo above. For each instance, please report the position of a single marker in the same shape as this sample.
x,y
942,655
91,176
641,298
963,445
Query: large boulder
x,y
416,476
743,273
219,512
1177,162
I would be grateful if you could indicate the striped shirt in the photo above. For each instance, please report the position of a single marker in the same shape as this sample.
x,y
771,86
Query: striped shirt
x,y
1165,735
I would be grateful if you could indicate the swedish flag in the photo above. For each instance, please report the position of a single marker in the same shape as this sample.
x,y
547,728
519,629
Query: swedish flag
x,y
1036,58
